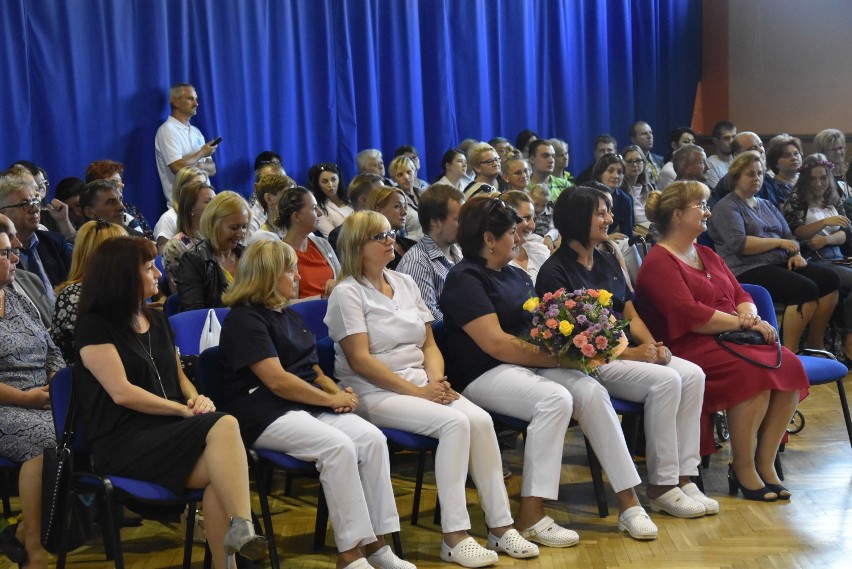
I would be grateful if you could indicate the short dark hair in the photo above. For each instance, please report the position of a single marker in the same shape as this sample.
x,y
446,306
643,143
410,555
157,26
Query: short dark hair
x,y
722,126
605,138
93,188
631,132
67,188
573,211
605,162
112,285
361,185
265,158
433,204
289,203
776,149
536,144
498,140
523,139
481,215
405,149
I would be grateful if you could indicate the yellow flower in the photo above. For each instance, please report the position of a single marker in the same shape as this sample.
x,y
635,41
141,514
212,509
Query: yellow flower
x,y
531,304
565,327
604,297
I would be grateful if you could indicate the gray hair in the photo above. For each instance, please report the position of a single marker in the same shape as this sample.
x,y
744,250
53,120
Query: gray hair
x,y
683,156
363,157
174,90
10,184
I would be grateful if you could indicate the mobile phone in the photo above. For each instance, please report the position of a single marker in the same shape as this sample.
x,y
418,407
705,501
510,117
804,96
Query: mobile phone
x,y
215,141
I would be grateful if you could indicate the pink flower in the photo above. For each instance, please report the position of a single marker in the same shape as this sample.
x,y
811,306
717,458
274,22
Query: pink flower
x,y
552,323
600,342
570,304
547,296
592,292
580,340
534,333
588,350
546,334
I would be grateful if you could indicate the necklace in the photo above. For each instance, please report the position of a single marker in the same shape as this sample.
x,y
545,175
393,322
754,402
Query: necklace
x,y
150,355
691,258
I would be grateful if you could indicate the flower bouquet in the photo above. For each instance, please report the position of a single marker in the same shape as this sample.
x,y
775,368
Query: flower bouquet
x,y
579,327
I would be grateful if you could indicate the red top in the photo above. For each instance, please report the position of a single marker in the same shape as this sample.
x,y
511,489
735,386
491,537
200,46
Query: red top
x,y
314,270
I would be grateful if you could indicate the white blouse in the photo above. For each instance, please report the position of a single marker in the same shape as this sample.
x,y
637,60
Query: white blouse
x,y
336,216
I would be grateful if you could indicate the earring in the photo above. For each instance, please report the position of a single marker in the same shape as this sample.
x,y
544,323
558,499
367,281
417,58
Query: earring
x,y
491,250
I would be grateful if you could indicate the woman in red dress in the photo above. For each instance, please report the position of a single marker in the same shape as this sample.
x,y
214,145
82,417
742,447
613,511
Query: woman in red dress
x,y
688,296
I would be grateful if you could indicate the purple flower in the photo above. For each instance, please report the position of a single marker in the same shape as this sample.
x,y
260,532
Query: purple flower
x,y
587,307
552,312
581,319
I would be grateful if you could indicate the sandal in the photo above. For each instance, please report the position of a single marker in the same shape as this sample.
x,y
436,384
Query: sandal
x,y
548,532
710,505
637,523
512,544
676,503
468,553
11,547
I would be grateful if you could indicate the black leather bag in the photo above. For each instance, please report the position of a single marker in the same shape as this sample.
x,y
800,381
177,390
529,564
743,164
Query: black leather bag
x,y
747,338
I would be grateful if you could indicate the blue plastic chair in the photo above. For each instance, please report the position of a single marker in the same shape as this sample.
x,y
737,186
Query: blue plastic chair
x,y
820,369
110,489
313,312
188,327
172,305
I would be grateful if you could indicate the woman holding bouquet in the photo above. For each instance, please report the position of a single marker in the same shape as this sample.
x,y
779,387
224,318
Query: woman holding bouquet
x,y
484,317
700,299
670,388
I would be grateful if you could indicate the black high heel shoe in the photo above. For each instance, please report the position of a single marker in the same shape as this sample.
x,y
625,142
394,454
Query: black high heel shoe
x,y
11,547
765,494
780,491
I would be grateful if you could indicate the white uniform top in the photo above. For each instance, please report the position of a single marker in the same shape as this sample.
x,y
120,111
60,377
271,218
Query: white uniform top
x,y
174,141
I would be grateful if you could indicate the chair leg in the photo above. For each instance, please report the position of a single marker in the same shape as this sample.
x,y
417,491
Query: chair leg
x,y
208,557
263,496
844,404
7,506
113,513
597,480
189,535
418,488
436,519
322,521
397,545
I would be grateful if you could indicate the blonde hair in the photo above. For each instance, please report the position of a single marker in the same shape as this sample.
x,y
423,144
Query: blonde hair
x,y
740,163
661,206
182,178
356,232
380,196
224,204
399,164
89,237
256,282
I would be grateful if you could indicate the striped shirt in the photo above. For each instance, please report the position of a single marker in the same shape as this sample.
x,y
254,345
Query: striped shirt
x,y
428,266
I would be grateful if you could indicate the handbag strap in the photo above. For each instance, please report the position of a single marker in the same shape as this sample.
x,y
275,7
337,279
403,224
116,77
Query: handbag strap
x,y
67,436
727,348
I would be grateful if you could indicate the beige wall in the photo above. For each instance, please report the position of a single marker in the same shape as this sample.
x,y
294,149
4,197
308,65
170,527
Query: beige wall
x,y
790,65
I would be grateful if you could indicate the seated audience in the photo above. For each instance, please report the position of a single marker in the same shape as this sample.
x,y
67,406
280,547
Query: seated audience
x,y
743,142
489,364
680,136
28,285
285,403
28,360
68,191
832,143
134,221
636,186
167,225
268,191
299,215
208,268
543,210
604,144
385,351
102,200
758,247
46,254
402,173
813,213
531,255
542,158
783,157
192,200
503,146
428,261
357,191
326,183
466,146
609,172
453,168
642,135
523,141
266,163
411,153
688,297
690,163
142,416
723,135
36,178
370,161
515,172
671,389
486,167
561,160
391,203
90,236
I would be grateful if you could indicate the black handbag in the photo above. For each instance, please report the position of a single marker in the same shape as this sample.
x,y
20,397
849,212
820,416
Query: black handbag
x,y
747,338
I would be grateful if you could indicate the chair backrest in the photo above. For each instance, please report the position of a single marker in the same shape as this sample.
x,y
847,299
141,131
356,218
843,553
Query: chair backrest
x,y
188,327
705,239
172,305
325,351
313,312
211,374
763,302
61,401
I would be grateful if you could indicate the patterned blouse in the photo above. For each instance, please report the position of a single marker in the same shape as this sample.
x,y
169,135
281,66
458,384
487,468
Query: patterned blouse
x,y
65,320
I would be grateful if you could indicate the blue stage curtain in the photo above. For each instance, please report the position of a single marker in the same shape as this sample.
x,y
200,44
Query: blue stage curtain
x,y
319,80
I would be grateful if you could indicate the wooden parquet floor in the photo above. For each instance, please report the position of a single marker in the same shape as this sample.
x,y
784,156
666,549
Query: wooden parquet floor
x,y
813,530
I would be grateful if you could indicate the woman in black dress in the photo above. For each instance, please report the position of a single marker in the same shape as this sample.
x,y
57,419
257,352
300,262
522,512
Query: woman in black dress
x,y
143,417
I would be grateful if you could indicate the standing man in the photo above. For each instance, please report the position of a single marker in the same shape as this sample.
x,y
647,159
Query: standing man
x,y
429,261
178,143
642,136
542,161
723,135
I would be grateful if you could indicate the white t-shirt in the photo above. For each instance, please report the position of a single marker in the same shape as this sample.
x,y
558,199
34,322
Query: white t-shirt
x,y
638,205
396,328
166,225
718,169
537,254
667,176
174,141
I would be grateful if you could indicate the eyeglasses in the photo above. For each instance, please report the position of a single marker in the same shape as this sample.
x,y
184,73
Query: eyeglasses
x,y
492,161
9,251
637,162
385,235
702,206
29,204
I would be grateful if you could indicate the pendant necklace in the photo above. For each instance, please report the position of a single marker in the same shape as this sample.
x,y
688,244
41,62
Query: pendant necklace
x,y
149,353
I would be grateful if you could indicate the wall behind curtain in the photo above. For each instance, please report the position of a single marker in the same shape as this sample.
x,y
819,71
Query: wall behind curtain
x,y
318,80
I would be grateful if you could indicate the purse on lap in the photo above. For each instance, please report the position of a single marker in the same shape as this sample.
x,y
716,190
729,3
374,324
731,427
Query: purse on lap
x,y
746,338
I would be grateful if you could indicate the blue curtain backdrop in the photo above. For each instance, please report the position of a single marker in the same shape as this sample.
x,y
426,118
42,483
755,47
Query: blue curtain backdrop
x,y
319,80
